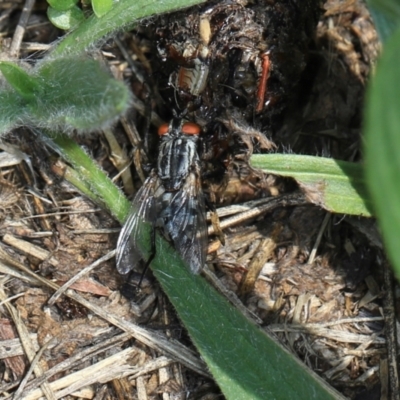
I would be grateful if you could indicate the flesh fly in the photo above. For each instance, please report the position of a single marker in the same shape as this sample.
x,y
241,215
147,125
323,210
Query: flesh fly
x,y
171,199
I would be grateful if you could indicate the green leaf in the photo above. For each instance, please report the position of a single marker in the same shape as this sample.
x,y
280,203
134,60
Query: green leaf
x,y
101,7
12,110
62,5
78,94
64,94
122,15
245,362
389,8
87,175
26,85
337,186
382,145
385,22
66,20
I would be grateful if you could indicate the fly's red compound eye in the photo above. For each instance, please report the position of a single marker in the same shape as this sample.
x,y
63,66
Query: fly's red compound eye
x,y
190,128
163,129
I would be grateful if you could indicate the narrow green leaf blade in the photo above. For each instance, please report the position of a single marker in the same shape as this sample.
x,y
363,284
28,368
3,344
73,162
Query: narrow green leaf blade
x,y
26,85
389,8
101,7
382,145
103,191
245,362
385,24
337,186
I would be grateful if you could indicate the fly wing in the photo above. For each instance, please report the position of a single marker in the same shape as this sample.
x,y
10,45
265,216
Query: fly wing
x,y
133,230
185,222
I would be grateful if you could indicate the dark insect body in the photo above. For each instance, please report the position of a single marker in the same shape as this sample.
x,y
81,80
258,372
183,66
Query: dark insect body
x,y
170,199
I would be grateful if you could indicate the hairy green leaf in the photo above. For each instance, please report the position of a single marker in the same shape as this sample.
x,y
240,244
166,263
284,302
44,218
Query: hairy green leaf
x,y
26,85
79,94
65,94
12,110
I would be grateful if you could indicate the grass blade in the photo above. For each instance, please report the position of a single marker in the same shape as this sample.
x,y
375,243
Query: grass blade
x,y
103,191
337,186
382,146
245,362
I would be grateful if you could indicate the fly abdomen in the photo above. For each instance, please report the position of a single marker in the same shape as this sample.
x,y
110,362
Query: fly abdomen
x,y
181,215
171,214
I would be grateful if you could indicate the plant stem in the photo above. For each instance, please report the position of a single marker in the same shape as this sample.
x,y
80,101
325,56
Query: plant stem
x,y
103,190
121,16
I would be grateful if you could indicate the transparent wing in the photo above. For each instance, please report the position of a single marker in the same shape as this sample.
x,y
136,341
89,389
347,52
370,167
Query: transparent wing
x,y
127,251
185,222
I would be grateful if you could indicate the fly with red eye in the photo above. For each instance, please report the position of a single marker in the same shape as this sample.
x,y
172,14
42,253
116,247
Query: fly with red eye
x,y
187,128
170,199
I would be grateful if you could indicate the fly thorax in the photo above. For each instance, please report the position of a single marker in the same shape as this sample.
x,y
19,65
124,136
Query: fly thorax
x,y
177,157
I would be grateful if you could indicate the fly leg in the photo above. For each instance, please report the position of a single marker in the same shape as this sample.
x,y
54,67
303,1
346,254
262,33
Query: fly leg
x,y
153,251
135,279
130,288
215,220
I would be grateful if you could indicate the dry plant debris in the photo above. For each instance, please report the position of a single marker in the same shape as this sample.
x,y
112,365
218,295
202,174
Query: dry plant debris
x,y
319,283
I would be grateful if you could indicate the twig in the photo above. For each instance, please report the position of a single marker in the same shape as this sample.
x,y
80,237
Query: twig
x,y
120,160
319,237
18,392
293,199
73,361
12,298
29,248
79,275
27,345
264,252
12,348
391,332
105,370
80,358
333,334
20,29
